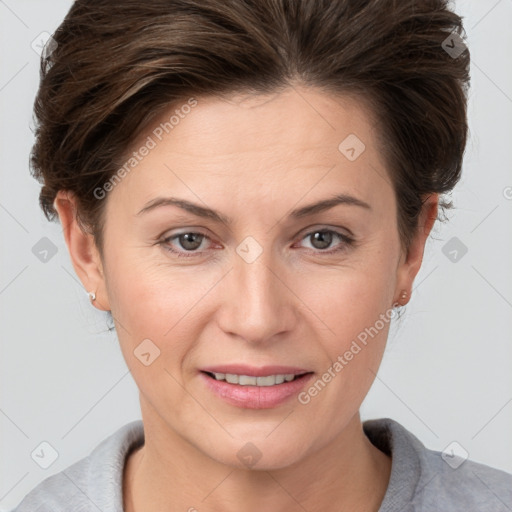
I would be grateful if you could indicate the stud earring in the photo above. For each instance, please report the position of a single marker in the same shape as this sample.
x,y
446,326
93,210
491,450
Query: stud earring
x,y
402,300
92,296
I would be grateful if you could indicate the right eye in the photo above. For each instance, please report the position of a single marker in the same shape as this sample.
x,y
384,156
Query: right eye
x,y
188,240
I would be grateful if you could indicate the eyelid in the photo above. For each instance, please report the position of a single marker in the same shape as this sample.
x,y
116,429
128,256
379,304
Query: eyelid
x,y
323,227
346,240
166,238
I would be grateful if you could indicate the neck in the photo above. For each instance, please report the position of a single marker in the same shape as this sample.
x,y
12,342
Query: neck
x,y
167,473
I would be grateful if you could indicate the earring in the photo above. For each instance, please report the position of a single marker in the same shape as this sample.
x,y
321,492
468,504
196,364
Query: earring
x,y
402,299
92,296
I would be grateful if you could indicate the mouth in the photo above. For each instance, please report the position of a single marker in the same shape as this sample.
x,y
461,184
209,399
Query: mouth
x,y
255,388
251,380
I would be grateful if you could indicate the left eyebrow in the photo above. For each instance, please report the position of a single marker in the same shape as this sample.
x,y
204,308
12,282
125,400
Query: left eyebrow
x,y
326,204
201,211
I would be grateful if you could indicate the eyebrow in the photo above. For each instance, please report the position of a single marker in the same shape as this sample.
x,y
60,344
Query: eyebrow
x,y
201,211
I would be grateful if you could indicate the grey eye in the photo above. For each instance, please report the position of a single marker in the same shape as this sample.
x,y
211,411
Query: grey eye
x,y
321,239
190,241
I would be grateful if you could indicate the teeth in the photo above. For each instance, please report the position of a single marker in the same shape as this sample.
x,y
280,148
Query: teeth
x,y
231,378
245,380
248,380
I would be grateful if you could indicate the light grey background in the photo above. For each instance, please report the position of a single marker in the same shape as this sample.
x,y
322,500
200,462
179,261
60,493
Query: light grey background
x,y
446,373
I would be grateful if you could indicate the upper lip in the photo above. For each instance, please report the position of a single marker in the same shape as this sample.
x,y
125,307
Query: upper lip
x,y
254,371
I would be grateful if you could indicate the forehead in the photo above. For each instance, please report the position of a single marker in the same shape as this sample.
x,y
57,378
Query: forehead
x,y
287,141
299,117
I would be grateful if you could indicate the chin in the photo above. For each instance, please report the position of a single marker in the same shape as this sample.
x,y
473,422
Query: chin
x,y
260,454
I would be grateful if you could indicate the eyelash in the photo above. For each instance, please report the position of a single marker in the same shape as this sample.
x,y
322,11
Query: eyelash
x,y
347,242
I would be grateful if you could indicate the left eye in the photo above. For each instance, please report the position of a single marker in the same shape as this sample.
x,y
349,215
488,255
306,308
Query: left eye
x,y
191,241
324,238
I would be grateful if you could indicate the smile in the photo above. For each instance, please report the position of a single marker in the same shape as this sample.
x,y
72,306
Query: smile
x,y
250,380
255,391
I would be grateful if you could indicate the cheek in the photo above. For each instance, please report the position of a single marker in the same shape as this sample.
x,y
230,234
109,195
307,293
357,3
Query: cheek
x,y
352,306
146,290
357,321
151,299
156,323
351,297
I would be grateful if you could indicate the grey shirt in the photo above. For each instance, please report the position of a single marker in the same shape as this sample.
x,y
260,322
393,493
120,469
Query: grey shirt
x,y
421,479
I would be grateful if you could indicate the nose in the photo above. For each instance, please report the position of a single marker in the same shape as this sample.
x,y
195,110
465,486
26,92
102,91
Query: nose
x,y
257,303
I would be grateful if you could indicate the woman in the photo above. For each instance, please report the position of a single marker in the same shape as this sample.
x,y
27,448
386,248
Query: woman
x,y
248,187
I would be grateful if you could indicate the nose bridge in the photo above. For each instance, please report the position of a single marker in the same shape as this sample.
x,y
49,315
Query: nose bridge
x,y
260,305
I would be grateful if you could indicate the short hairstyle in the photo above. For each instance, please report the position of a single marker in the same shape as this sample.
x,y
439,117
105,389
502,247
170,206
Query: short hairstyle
x,y
115,65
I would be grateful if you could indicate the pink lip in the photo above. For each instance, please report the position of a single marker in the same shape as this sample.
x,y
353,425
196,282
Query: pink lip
x,y
255,397
253,371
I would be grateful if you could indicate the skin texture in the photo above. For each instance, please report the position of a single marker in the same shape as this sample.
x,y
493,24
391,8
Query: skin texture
x,y
254,159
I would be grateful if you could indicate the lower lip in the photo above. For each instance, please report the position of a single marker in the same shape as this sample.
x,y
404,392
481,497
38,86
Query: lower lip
x,y
255,397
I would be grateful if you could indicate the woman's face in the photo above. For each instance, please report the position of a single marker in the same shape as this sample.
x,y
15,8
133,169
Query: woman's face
x,y
277,287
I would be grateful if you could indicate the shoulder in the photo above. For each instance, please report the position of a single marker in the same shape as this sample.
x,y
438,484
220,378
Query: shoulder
x,y
463,483
54,492
90,484
430,480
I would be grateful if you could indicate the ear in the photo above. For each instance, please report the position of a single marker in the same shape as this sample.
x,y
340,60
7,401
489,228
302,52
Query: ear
x,y
410,263
84,254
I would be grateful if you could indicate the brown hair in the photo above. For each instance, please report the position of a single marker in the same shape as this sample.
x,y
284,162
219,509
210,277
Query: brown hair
x,y
116,64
